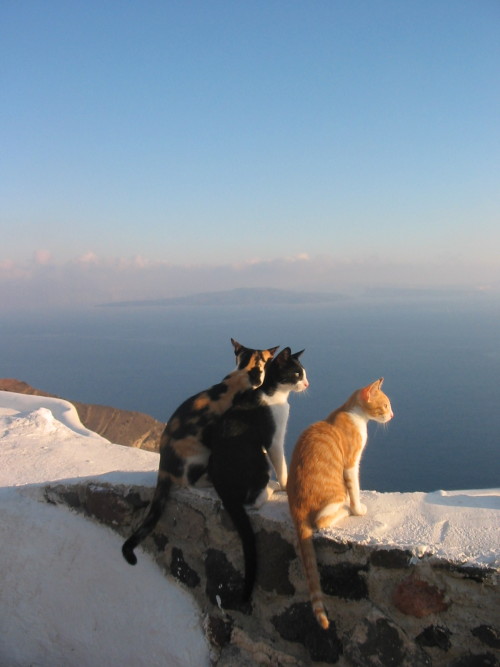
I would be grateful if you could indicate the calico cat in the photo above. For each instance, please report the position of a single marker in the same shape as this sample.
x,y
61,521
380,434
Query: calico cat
x,y
183,456
325,470
238,466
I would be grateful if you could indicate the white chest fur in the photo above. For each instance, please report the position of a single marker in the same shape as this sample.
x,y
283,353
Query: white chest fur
x,y
360,421
280,408
280,415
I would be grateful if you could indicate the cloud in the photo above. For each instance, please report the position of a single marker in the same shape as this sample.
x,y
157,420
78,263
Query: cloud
x,y
42,257
90,279
88,258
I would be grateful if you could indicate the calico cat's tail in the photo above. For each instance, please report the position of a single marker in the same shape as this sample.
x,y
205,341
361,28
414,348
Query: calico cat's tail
x,y
305,536
242,523
155,511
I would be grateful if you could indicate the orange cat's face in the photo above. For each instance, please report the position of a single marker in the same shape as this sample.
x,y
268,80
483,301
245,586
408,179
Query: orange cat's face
x,y
375,403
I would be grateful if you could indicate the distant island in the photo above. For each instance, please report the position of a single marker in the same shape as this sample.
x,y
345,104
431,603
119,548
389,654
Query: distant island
x,y
271,296
240,296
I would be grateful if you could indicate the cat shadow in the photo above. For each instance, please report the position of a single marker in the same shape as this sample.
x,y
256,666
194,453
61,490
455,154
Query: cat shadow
x,y
464,500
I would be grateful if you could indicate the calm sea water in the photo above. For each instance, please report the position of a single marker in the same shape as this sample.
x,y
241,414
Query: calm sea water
x,y
440,360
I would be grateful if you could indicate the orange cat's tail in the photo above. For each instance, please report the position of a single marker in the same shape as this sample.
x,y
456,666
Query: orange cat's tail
x,y
305,533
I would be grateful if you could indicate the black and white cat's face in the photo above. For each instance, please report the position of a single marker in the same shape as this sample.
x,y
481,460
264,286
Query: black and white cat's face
x,y
286,372
295,375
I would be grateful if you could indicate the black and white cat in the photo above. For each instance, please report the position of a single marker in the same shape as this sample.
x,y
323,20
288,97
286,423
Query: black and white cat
x,y
183,454
252,430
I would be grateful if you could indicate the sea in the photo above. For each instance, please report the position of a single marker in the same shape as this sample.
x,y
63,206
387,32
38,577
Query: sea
x,y
439,356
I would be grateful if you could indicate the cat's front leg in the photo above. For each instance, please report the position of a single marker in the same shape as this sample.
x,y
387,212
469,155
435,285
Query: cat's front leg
x,y
359,510
263,497
277,458
351,477
282,474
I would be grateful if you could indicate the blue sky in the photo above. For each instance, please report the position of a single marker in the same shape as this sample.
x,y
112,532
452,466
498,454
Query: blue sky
x,y
295,144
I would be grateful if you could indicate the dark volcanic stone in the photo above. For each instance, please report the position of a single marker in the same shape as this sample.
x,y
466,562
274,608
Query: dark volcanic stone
x,y
160,541
224,582
297,624
390,558
435,636
66,496
478,574
321,542
488,635
135,501
294,622
106,504
479,660
380,642
219,631
274,557
181,570
344,580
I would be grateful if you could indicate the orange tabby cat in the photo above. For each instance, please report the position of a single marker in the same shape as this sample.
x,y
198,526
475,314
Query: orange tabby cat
x,y
325,470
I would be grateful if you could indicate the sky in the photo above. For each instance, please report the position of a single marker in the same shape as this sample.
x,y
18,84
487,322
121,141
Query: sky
x,y
48,552
159,148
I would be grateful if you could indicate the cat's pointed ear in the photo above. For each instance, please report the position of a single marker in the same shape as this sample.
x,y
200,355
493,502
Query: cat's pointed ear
x,y
296,355
237,346
367,392
284,355
272,350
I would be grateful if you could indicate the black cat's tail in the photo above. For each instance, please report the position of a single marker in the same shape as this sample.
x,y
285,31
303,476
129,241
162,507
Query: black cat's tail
x,y
155,511
244,528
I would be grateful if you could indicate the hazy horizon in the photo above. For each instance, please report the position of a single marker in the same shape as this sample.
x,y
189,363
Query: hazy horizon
x,y
92,282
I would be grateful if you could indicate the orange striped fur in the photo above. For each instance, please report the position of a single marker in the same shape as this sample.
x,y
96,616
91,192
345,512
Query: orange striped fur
x,y
323,481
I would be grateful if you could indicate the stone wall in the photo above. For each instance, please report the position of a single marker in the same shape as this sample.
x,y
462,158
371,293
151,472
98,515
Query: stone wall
x,y
386,606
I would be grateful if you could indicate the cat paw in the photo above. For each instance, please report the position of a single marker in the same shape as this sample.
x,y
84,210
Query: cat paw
x,y
359,510
262,498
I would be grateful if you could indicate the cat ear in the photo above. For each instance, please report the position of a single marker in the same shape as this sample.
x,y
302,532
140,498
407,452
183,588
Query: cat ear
x,y
272,350
366,392
237,346
284,355
296,355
